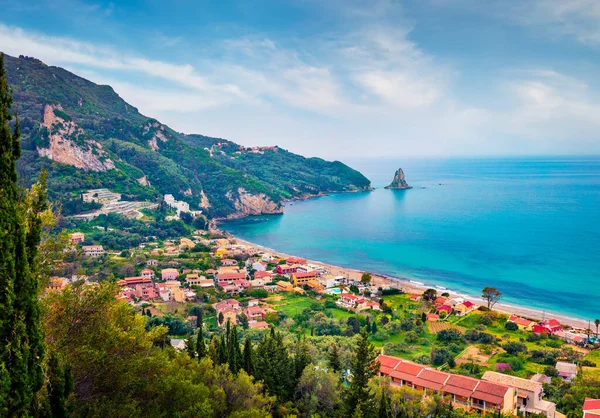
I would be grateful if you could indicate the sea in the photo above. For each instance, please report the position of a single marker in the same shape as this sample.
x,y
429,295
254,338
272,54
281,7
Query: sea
x,y
528,226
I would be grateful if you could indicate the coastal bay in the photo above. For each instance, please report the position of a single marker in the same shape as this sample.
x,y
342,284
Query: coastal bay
x,y
525,226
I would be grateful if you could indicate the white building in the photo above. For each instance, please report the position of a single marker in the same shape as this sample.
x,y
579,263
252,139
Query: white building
x,y
93,251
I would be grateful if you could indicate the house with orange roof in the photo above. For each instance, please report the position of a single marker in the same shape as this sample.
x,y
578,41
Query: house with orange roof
x,y
169,274
258,325
464,308
431,317
283,286
301,278
465,392
147,273
522,323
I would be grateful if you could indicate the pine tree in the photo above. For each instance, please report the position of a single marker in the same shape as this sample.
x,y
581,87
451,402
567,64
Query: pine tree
x,y
333,358
364,366
248,355
22,348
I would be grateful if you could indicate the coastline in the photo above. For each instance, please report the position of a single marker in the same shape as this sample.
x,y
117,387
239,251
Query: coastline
x,y
413,287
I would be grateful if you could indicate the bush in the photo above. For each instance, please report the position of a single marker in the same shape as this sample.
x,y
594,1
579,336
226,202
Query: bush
x,y
511,326
448,335
257,293
551,371
514,348
411,337
553,343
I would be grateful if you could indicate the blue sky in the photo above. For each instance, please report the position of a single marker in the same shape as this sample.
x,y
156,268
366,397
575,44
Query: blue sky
x,y
339,78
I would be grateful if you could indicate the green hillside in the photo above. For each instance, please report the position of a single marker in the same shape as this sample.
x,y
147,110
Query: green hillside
x,y
149,158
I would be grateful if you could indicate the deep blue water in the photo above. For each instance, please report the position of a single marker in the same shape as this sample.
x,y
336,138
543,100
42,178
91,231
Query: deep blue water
x,y
530,227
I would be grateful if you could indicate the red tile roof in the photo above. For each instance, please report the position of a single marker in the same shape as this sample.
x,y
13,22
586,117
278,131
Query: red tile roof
x,y
591,404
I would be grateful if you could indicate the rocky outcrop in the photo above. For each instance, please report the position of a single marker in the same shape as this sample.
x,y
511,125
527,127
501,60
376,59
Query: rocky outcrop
x,y
159,134
247,204
69,145
144,181
399,182
204,203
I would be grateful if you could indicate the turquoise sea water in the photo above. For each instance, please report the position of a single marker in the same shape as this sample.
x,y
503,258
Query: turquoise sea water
x,y
530,227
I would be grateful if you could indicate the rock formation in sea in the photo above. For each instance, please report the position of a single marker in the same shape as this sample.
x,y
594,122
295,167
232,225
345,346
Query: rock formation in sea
x,y
399,182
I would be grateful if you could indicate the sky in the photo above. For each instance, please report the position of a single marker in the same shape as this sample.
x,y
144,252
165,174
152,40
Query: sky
x,y
338,78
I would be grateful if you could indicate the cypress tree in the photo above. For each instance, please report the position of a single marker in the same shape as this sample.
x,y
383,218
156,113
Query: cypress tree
x,y
333,358
190,347
248,355
213,350
60,384
235,355
364,366
374,328
199,318
369,324
200,346
222,351
22,348
384,407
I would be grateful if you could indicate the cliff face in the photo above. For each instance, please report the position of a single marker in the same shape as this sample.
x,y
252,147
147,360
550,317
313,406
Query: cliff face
x,y
248,204
399,182
68,143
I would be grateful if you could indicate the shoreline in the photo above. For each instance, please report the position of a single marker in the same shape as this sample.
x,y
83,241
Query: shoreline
x,y
414,287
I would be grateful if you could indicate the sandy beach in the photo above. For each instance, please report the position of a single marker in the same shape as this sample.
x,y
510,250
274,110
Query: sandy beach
x,y
408,286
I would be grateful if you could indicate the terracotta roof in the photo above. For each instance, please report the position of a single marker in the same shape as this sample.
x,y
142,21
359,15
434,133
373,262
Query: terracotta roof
x,y
590,404
512,381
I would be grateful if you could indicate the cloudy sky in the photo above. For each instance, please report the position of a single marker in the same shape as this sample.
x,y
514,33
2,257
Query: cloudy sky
x,y
339,78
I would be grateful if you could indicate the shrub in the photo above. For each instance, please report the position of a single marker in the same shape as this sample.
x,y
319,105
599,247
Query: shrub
x,y
411,337
511,326
553,343
514,348
448,335
551,371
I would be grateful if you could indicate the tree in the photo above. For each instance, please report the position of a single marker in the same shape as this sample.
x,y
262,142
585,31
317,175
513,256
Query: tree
x,y
491,295
22,347
248,357
302,356
430,295
597,323
333,358
384,405
200,346
365,278
190,346
221,318
60,385
243,319
364,366
317,393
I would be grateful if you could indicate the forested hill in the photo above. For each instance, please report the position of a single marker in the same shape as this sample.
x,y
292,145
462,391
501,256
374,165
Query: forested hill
x,y
89,137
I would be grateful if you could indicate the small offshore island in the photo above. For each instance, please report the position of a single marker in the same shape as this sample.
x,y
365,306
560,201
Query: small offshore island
x,y
399,182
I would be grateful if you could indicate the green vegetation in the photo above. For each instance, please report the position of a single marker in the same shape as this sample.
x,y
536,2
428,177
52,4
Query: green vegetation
x,y
180,165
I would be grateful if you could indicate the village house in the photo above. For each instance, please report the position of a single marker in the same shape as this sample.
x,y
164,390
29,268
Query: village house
x,y
439,301
350,301
266,275
169,274
447,309
465,392
147,273
134,281
566,371
229,262
193,279
571,337
229,309
56,284
178,344
464,308
77,237
371,305
522,323
283,286
255,313
93,251
591,408
230,277
431,317
152,262
295,260
145,292
285,269
529,393
253,302
415,298
302,278
206,283
258,325
258,266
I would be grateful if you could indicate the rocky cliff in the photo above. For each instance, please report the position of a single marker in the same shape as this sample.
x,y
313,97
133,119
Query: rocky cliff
x,y
399,182
247,204
67,143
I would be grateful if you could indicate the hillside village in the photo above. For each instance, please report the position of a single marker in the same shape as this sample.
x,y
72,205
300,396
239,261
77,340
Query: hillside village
x,y
434,343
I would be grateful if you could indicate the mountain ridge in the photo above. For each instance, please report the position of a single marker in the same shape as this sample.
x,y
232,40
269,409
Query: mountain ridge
x,y
89,137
